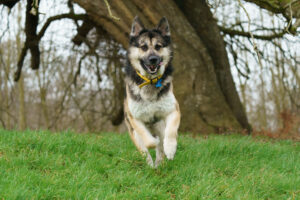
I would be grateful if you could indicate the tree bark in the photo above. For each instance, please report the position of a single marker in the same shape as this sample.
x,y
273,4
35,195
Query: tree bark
x,y
203,100
209,33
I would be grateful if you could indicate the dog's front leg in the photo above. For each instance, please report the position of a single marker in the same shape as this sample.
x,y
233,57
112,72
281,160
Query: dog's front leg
x,y
170,140
148,140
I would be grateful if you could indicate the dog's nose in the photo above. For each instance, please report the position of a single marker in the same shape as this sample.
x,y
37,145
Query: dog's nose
x,y
154,60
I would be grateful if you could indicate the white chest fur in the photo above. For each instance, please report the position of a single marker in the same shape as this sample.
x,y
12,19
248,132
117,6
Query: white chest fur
x,y
147,110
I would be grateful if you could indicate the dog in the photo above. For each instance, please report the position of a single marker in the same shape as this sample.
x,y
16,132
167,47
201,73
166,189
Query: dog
x,y
151,110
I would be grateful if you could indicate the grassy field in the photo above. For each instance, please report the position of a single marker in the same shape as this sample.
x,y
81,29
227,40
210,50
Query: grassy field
x,y
43,165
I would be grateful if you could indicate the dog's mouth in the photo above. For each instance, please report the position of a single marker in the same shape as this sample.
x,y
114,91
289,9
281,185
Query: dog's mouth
x,y
151,69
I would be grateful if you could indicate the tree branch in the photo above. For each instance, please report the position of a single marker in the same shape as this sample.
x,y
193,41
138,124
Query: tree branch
x,y
289,9
109,11
279,6
82,32
59,17
32,40
20,63
9,3
266,4
233,32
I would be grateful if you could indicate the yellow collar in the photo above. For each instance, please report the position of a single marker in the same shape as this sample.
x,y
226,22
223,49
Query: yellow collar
x,y
148,81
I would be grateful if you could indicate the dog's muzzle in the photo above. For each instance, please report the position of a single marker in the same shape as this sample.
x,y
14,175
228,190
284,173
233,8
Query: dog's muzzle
x,y
152,64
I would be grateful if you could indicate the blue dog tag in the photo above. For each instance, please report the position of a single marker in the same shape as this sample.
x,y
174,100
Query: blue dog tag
x,y
158,83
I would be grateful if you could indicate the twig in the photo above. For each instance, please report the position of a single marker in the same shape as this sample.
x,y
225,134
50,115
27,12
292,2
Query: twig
x,y
7,25
252,37
109,11
287,28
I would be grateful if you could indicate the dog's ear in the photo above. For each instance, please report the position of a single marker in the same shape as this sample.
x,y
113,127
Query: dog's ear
x,y
136,27
163,27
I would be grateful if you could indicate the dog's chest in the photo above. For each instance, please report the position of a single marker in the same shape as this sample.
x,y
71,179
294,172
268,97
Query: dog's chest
x,y
147,111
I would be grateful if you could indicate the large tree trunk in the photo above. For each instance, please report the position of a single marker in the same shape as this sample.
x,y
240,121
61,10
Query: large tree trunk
x,y
203,93
209,33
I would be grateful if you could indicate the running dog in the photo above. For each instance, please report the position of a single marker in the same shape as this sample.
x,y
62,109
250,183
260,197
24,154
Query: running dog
x,y
151,110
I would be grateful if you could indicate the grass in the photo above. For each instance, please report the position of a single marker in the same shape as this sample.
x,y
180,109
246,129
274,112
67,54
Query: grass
x,y
44,165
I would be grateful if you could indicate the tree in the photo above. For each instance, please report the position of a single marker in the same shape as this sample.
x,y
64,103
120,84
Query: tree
x,y
203,82
202,100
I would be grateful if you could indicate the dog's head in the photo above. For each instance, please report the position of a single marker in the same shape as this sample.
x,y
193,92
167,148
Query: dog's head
x,y
150,50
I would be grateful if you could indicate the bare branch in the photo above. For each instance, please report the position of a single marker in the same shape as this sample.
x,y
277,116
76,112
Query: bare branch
x,y
59,17
233,32
32,42
279,6
9,3
82,32
109,11
20,63
251,35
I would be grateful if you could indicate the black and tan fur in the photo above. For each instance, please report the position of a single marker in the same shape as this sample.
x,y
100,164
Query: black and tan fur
x,y
152,113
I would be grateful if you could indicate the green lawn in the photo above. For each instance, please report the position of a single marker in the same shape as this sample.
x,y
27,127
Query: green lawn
x,y
44,165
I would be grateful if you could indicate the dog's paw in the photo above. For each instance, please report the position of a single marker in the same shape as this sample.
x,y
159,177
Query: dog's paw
x,y
150,163
151,142
158,160
170,146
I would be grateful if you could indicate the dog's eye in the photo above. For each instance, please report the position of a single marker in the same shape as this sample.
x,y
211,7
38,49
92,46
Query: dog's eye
x,y
157,47
144,47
